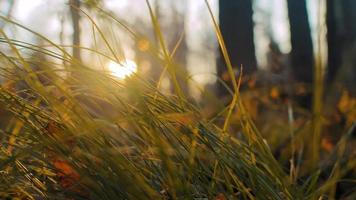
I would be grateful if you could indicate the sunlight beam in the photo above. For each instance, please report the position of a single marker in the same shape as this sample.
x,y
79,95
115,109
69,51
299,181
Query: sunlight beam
x,y
123,70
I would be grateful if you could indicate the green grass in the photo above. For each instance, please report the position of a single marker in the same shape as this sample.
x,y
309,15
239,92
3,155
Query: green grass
x,y
72,132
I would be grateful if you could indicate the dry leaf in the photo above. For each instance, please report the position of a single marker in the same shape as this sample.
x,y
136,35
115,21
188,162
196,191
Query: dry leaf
x,y
274,93
220,196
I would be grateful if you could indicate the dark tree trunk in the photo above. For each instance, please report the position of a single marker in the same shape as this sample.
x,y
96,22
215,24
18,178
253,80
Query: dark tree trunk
x,y
334,40
302,47
74,11
349,16
341,38
236,24
349,47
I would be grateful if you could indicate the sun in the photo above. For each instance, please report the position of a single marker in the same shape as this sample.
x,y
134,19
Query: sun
x,y
122,70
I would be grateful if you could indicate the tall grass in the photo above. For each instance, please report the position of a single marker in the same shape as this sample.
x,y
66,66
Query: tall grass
x,y
79,133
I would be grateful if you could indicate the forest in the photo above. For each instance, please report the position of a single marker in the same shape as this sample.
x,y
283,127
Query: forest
x,y
178,99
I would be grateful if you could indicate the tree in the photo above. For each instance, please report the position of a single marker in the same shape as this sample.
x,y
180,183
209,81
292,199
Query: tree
x,y
74,11
341,38
180,56
333,39
302,59
236,24
349,47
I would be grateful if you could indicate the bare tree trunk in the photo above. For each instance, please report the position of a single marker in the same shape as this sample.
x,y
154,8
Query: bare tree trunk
x,y
74,11
335,42
236,25
349,47
180,56
341,38
302,58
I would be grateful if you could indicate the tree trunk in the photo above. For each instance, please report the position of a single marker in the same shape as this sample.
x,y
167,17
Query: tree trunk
x,y
236,24
180,56
74,11
302,47
341,38
334,40
349,47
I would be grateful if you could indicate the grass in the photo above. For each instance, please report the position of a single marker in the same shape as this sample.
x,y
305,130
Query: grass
x,y
78,133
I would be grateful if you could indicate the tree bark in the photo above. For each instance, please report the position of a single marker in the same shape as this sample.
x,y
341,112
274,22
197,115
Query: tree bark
x,y
236,24
341,38
334,40
349,47
74,11
302,59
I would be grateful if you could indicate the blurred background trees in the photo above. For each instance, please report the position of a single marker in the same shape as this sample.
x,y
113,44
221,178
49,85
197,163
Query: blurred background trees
x,y
275,42
236,25
341,38
301,41
74,12
275,38
188,23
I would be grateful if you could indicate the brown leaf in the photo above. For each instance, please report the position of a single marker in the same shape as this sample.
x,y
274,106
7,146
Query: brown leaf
x,y
220,196
327,145
274,93
67,175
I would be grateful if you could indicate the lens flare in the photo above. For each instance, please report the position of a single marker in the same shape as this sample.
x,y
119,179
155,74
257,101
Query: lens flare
x,y
122,70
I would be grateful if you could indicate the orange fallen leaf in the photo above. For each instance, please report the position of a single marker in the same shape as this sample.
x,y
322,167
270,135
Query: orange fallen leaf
x,y
66,174
274,93
220,196
327,145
